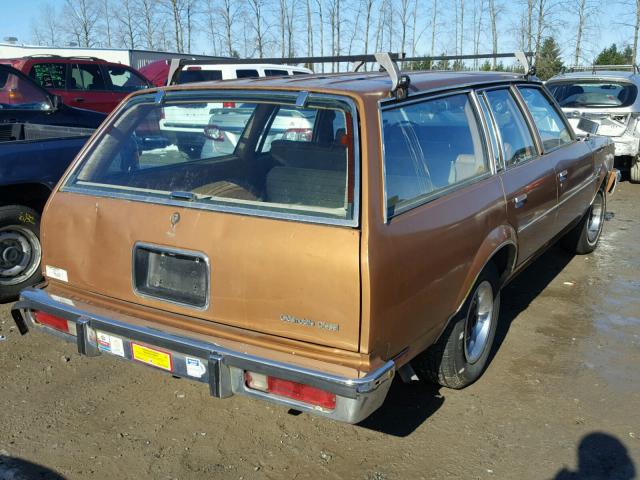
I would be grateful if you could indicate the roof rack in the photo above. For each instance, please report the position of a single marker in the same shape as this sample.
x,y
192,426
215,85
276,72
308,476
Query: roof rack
x,y
388,62
598,68
74,57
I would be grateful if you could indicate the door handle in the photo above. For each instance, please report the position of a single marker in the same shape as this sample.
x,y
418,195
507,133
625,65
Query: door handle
x,y
520,200
562,176
78,99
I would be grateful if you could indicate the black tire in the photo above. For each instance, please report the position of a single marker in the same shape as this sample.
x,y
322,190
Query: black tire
x,y
449,362
584,237
634,172
20,251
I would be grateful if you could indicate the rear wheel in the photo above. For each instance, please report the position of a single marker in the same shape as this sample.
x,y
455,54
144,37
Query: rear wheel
x,y
584,237
460,356
20,251
634,173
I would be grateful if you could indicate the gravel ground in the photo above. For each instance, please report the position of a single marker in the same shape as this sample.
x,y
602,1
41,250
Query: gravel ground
x,y
560,400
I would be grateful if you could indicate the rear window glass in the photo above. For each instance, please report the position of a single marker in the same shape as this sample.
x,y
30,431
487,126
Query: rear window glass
x,y
49,75
191,76
428,147
259,156
247,73
593,94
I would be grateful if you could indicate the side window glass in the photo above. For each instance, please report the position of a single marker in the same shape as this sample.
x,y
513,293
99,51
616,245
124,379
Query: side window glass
x,y
125,80
430,146
86,77
247,73
553,130
517,143
49,75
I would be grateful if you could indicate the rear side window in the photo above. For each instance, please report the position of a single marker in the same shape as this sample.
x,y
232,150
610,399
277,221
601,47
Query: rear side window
x,y
86,77
517,143
429,147
275,73
49,75
125,80
551,127
247,73
197,75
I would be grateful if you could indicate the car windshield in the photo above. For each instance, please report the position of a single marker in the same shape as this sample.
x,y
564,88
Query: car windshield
x,y
261,156
18,93
593,94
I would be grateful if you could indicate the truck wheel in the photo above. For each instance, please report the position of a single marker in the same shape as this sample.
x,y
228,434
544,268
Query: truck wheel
x,y
20,251
584,237
634,173
460,356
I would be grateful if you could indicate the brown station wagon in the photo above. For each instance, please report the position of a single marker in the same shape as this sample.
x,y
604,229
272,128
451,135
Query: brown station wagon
x,y
353,226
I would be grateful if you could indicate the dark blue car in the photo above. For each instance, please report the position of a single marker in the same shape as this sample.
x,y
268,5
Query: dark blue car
x,y
39,137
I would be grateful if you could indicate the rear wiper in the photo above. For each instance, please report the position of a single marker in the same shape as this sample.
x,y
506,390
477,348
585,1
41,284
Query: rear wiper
x,y
188,196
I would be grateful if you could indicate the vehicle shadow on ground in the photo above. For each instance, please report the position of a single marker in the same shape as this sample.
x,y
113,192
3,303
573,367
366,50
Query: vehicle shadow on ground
x,y
600,457
12,468
407,406
525,288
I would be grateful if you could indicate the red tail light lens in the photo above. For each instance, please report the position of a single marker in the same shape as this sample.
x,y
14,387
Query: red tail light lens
x,y
287,388
213,132
228,104
52,321
193,68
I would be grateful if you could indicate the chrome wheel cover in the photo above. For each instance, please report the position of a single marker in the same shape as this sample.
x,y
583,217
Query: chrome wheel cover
x,y
478,323
596,217
20,254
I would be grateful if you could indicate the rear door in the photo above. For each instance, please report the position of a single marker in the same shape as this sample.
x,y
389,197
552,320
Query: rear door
x,y
573,159
528,178
88,88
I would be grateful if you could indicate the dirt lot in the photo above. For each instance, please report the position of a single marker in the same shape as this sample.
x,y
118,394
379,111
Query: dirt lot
x,y
560,400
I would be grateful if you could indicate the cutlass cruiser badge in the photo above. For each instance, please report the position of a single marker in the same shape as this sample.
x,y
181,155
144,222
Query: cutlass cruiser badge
x,y
306,322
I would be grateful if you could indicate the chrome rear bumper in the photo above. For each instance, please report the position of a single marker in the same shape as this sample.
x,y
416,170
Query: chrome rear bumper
x,y
223,369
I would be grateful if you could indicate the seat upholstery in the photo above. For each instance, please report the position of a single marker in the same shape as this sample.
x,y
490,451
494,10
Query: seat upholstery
x,y
306,186
225,189
466,166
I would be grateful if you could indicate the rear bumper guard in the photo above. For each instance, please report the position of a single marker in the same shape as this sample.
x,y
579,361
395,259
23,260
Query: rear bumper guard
x,y
223,369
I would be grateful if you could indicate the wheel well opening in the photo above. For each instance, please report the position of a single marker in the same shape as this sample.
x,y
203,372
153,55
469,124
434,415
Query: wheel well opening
x,y
32,195
503,259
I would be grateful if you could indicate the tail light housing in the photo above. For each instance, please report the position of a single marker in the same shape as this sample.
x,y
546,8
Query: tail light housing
x,y
55,322
293,390
298,134
214,132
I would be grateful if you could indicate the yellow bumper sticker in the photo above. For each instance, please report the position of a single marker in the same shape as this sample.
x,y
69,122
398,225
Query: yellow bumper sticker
x,y
151,356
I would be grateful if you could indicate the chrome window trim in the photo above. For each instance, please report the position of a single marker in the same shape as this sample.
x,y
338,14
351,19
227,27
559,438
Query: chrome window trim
x,y
487,130
553,105
430,196
179,251
388,102
482,97
525,116
353,221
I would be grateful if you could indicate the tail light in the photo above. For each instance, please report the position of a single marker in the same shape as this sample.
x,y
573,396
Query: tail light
x,y
193,68
298,134
228,104
213,132
57,323
286,388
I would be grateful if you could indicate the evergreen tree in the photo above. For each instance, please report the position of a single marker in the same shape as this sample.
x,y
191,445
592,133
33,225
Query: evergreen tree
x,y
612,56
549,62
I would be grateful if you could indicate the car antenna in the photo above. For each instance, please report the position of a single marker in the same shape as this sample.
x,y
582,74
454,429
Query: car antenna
x,y
399,82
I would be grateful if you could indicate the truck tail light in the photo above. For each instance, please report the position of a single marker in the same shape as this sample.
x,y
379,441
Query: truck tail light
x,y
286,388
57,323
213,132
228,104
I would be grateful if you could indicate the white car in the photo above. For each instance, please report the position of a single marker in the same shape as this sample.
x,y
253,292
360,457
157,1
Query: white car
x,y
189,122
